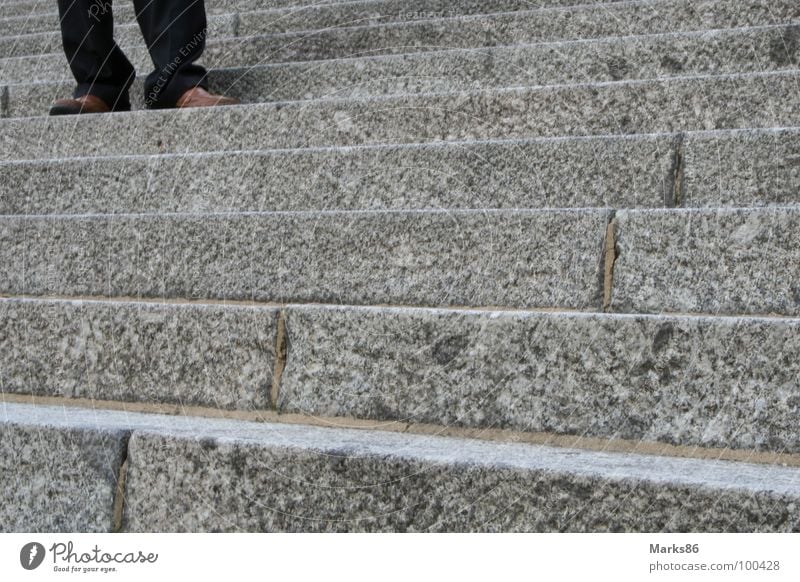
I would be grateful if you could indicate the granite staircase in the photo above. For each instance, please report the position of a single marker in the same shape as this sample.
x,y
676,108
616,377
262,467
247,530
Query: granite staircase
x,y
463,265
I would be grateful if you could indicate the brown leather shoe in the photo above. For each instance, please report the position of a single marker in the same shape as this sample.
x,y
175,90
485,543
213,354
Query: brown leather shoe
x,y
199,97
85,104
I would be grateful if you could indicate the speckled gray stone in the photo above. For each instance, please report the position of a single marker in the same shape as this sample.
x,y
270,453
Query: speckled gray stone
x,y
125,35
318,480
717,102
194,474
722,168
728,261
314,15
661,55
515,257
559,23
561,173
29,8
722,382
752,169
211,475
220,356
57,479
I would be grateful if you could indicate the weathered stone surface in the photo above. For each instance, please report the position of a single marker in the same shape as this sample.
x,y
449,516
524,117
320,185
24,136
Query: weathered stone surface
x,y
747,168
502,29
725,261
27,9
718,102
295,478
310,15
57,477
620,172
724,382
557,23
196,355
16,43
563,173
516,257
608,59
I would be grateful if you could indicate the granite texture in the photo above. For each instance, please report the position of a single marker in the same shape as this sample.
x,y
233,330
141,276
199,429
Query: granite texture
x,y
745,168
560,173
295,478
721,168
652,56
548,63
193,355
721,382
514,258
195,474
557,23
720,261
57,479
18,44
479,31
313,15
718,102
28,8
614,59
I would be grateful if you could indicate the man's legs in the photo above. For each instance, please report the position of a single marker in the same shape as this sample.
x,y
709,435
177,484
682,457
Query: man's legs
x,y
175,34
97,63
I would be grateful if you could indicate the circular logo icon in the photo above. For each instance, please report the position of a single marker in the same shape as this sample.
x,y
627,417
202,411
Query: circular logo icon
x,y
31,556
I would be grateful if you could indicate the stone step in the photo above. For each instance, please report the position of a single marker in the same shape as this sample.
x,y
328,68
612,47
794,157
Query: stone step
x,y
316,15
193,474
519,258
213,355
705,169
481,31
686,380
729,261
640,57
653,106
622,171
29,9
724,382
34,43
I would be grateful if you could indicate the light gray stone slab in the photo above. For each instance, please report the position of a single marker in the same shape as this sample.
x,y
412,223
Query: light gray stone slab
x,y
57,479
721,168
726,261
752,169
557,23
517,258
478,31
18,43
221,356
323,482
561,173
662,106
27,9
722,382
312,15
613,59
194,474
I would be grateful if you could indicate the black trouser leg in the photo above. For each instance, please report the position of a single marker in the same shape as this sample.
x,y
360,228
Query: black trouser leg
x,y
175,34
97,63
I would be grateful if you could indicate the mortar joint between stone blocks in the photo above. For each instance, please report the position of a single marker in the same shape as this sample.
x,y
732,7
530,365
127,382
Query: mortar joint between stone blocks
x,y
121,487
281,353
